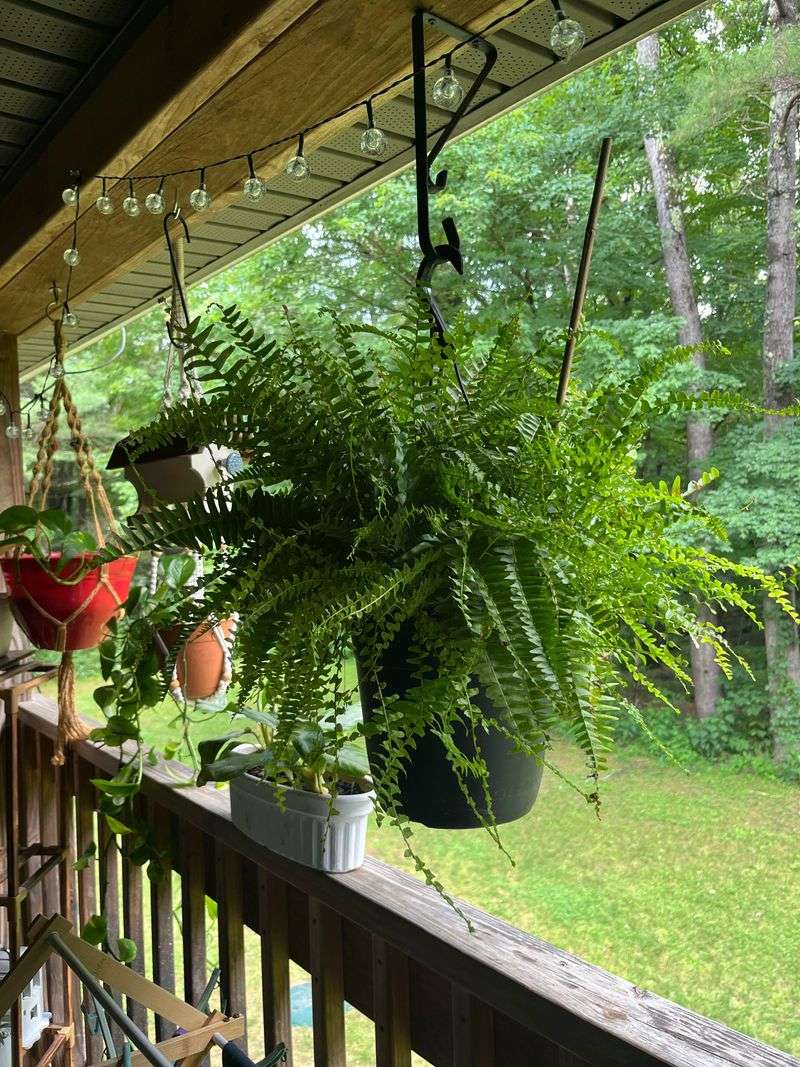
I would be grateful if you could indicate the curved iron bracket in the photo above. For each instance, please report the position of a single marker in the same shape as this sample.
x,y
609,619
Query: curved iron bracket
x,y
175,216
450,251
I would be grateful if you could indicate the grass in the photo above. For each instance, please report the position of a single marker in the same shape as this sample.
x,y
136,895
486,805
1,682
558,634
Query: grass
x,y
689,885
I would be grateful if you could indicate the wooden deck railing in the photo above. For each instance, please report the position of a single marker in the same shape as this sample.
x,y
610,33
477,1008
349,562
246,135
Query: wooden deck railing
x,y
376,938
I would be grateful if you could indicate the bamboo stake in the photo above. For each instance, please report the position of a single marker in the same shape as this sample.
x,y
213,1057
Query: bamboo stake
x,y
583,270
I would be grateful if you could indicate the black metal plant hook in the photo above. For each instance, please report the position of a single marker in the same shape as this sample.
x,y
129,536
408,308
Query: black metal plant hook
x,y
175,216
449,252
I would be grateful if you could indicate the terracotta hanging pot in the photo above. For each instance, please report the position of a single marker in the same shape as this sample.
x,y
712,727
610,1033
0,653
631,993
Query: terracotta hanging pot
x,y
66,617
203,665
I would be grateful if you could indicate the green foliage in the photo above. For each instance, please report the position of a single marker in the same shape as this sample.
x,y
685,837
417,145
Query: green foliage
x,y
516,539
49,537
308,761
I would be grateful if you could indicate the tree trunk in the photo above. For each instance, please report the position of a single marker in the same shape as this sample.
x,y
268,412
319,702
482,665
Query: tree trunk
x,y
780,636
699,434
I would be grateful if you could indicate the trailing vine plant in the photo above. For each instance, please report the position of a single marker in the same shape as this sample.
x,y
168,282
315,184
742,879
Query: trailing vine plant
x,y
515,538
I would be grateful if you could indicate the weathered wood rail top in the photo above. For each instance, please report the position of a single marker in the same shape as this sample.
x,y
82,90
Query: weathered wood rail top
x,y
386,943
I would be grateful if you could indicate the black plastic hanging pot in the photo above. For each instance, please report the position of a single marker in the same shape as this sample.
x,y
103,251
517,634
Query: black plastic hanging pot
x,y
429,791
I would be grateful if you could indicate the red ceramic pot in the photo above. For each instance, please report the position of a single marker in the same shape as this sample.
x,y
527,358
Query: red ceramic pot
x,y
41,603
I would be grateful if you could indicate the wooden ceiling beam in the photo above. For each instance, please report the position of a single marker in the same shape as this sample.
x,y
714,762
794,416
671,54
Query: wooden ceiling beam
x,y
338,53
185,54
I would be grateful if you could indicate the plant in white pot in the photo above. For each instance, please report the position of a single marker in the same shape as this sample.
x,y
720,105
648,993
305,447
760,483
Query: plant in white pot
x,y
308,804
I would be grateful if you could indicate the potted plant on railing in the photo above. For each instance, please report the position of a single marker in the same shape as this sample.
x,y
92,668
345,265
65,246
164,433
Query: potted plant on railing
x,y
499,568
308,805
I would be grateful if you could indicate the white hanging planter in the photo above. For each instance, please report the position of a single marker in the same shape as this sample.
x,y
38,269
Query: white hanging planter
x,y
175,474
304,830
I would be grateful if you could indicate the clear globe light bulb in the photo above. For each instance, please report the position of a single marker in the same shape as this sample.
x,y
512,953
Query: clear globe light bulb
x,y
27,433
154,202
253,188
58,370
70,195
72,257
373,141
448,91
3,408
567,37
70,319
131,206
104,204
297,168
200,198
12,431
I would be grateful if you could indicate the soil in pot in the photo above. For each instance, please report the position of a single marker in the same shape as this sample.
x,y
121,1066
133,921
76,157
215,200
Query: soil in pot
x,y
66,617
429,791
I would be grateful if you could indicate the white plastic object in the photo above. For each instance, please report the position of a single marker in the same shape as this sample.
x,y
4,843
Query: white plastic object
x,y
34,1017
304,830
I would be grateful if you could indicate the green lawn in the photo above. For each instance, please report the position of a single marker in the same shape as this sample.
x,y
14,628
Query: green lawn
x,y
689,886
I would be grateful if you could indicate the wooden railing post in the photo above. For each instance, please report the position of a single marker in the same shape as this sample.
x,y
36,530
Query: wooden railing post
x,y
133,920
273,920
327,985
390,1005
161,932
233,982
193,914
473,1031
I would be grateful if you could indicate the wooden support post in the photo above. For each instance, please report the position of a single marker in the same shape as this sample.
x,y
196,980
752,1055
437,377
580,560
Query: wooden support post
x,y
327,985
390,1005
233,984
273,921
11,480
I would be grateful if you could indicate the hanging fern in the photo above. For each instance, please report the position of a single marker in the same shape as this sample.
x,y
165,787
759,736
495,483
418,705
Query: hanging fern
x,y
516,540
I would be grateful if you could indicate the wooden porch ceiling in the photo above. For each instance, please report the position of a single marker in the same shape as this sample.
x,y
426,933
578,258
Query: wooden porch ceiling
x,y
181,84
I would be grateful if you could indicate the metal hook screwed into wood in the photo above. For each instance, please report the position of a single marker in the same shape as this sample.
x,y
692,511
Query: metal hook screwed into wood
x,y
450,251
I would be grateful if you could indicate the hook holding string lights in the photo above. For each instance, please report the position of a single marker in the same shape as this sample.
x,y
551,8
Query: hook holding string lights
x,y
433,255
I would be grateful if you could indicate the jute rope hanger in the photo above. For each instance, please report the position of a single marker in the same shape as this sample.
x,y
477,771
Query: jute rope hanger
x,y
70,725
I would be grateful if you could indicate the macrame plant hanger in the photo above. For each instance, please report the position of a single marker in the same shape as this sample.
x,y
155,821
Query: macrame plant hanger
x,y
70,725
188,386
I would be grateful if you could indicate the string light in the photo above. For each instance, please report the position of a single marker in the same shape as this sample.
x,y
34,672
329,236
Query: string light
x,y
154,202
297,167
72,257
131,205
200,197
58,370
373,140
448,91
567,36
70,318
12,431
27,433
104,203
3,408
252,187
